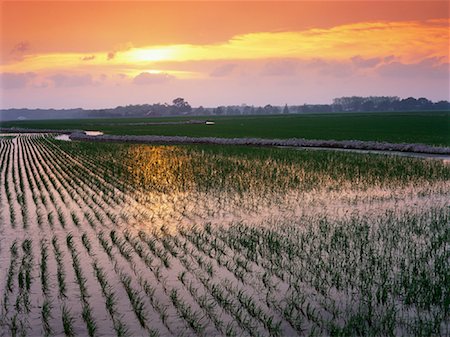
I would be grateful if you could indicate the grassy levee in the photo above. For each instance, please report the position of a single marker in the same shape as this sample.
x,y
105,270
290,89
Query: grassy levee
x,y
396,127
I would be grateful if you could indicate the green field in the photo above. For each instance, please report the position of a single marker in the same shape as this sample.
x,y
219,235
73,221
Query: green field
x,y
413,127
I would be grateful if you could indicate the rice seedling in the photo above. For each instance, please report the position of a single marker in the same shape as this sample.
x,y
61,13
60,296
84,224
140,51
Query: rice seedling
x,y
68,321
135,298
44,268
45,317
192,318
61,275
86,242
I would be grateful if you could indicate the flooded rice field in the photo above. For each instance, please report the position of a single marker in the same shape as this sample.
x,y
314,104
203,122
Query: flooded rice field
x,y
140,240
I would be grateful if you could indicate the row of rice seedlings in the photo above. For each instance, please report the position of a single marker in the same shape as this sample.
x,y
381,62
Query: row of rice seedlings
x,y
86,314
193,318
110,301
151,243
2,159
96,166
135,298
60,271
200,261
375,268
159,307
138,247
35,185
267,321
43,186
108,194
9,188
215,249
86,197
60,215
52,154
23,178
25,278
46,314
148,289
208,306
107,291
4,182
210,249
126,248
248,302
18,185
184,310
311,314
68,321
18,323
222,297
9,288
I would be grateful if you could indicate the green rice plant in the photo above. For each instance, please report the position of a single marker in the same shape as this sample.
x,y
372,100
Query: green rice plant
x,y
86,242
160,308
157,251
121,244
90,220
44,267
192,318
90,322
139,249
105,244
60,272
61,218
12,266
135,298
45,317
68,321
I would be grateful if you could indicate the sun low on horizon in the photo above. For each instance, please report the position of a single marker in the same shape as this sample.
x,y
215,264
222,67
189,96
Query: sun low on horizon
x,y
67,54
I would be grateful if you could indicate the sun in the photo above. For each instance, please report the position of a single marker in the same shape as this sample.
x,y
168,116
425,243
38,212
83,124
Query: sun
x,y
149,54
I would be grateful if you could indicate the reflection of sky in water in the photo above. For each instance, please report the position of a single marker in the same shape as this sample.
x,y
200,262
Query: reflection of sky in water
x,y
162,168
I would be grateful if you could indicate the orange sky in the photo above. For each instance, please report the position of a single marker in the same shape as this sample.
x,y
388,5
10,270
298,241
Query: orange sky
x,y
87,49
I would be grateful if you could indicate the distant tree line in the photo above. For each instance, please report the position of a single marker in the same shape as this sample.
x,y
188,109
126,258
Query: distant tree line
x,y
387,103
180,107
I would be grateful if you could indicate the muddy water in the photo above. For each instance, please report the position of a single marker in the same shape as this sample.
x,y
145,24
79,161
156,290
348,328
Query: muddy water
x,y
63,137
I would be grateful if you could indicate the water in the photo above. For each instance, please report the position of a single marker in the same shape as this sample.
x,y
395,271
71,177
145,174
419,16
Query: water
x,y
64,138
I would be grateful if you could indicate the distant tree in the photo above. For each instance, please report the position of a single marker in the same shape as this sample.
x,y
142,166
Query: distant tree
x,y
219,110
181,106
286,109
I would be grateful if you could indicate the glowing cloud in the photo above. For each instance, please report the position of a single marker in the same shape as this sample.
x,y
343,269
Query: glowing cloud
x,y
409,42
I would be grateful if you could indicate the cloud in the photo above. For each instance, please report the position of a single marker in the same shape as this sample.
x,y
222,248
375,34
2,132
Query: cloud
x,y
16,80
427,68
21,48
88,58
365,63
119,48
281,67
65,81
146,78
223,70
